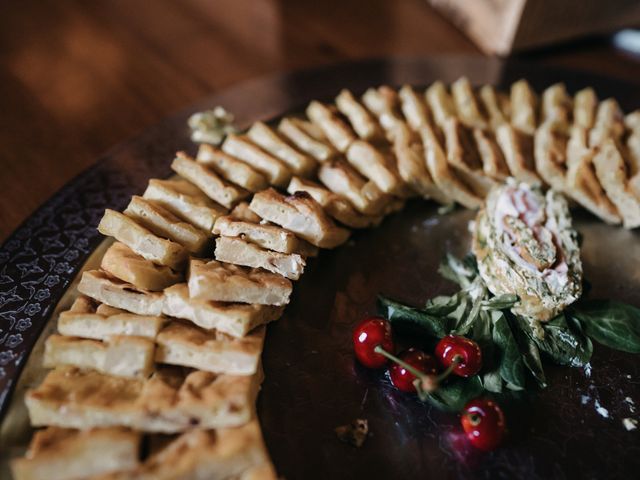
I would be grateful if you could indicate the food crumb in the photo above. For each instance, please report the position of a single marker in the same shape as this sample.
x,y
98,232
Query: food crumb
x,y
601,410
354,433
630,423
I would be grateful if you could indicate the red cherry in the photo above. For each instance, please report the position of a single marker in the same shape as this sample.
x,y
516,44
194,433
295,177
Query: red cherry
x,y
483,423
370,333
466,352
401,378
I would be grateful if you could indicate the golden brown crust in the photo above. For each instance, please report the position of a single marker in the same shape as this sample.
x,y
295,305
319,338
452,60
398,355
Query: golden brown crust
x,y
274,170
231,169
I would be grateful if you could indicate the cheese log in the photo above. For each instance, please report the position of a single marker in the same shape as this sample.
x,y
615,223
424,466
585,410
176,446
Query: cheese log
x,y
121,262
235,319
234,453
184,344
273,169
272,142
335,129
60,454
142,241
361,120
240,252
230,168
341,178
270,237
300,214
224,282
186,201
208,181
122,356
336,206
87,319
107,289
167,402
307,138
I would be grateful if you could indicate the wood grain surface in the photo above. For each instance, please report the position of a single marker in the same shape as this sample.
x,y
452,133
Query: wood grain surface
x,y
77,77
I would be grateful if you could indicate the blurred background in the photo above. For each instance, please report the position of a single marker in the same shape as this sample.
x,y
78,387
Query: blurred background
x,y
78,76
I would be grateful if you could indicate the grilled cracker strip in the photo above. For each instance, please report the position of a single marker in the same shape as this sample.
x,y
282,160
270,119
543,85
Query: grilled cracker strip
x,y
383,103
240,252
235,319
581,182
186,201
550,153
375,166
461,150
494,104
585,104
412,167
184,344
208,181
632,122
524,104
270,141
517,148
334,128
557,107
142,241
87,319
469,109
300,214
167,402
336,206
342,179
414,108
307,137
225,282
273,169
441,172
222,454
359,117
123,263
609,123
118,294
231,169
612,173
440,103
122,356
60,454
270,237
244,213
493,162
163,223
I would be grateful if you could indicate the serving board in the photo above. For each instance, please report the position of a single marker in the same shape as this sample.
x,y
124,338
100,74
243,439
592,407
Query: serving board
x,y
572,429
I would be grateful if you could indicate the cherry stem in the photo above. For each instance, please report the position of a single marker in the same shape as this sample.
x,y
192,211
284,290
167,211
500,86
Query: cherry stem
x,y
455,361
393,358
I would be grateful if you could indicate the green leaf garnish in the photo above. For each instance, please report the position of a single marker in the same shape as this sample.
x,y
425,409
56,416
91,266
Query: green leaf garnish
x,y
611,323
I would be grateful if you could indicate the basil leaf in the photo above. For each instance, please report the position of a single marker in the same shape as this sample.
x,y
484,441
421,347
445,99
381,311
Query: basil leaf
x,y
454,394
492,381
501,302
442,305
458,271
614,324
398,313
511,361
563,344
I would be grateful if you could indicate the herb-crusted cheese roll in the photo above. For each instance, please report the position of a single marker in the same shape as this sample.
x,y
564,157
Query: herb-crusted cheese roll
x,y
525,244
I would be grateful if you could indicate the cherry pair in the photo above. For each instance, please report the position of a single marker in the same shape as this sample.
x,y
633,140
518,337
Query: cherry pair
x,y
482,419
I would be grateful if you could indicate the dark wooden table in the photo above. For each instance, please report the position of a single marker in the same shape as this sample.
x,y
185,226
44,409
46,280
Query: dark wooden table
x,y
77,77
